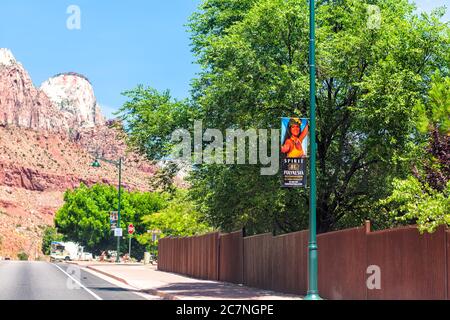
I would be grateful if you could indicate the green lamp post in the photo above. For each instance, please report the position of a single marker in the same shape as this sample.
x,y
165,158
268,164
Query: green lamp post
x,y
313,291
96,164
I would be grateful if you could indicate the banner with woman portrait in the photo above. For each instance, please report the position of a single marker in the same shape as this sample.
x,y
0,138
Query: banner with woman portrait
x,y
294,151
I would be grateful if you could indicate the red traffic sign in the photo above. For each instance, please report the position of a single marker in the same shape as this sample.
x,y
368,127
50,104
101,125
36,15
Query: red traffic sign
x,y
131,229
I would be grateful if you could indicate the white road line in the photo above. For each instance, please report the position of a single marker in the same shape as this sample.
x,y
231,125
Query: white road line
x,y
79,283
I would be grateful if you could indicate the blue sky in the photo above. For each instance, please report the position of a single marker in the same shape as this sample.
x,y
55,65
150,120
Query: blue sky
x,y
120,43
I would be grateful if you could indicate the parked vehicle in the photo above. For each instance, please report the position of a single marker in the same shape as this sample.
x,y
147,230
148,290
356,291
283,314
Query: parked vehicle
x,y
86,256
65,251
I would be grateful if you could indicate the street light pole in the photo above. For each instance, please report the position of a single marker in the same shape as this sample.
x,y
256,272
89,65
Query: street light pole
x,y
313,292
118,209
118,164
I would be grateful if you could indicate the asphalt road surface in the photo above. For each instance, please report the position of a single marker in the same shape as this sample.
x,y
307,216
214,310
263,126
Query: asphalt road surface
x,y
49,281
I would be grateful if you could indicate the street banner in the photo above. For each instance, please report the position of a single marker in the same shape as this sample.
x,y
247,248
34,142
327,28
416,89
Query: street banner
x,y
113,218
294,151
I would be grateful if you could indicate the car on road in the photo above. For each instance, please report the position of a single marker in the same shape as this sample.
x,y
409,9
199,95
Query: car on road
x,y
65,251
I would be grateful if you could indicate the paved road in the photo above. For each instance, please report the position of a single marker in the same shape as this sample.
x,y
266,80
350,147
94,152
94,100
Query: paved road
x,y
47,281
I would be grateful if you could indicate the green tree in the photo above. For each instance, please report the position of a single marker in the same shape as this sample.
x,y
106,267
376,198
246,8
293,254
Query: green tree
x,y
84,217
22,256
254,60
151,117
415,202
50,234
424,197
179,218
164,178
435,112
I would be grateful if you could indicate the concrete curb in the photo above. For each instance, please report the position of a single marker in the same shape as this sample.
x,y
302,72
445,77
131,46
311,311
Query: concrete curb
x,y
162,294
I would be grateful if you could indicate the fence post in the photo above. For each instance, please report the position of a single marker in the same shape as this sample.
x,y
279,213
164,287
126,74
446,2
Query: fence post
x,y
367,225
217,238
243,256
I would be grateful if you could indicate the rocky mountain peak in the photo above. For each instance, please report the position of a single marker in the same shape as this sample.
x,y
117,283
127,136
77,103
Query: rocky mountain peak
x,y
6,57
73,95
65,101
49,137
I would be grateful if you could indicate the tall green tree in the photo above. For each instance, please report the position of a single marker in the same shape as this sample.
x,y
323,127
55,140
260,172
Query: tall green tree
x,y
424,197
150,117
254,57
84,217
179,219
372,70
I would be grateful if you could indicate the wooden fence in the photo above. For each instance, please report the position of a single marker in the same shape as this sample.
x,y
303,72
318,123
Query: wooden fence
x,y
412,266
197,257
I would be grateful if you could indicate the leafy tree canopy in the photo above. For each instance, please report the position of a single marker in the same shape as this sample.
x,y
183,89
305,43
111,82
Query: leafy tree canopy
x,y
84,217
178,218
424,197
255,62
254,59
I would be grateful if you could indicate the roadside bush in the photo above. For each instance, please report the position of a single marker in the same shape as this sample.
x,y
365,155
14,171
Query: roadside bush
x,y
22,256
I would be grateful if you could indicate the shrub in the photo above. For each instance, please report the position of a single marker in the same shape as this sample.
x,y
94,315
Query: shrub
x,y
22,256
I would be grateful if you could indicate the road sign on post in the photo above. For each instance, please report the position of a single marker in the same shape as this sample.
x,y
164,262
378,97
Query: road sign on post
x,y
130,228
130,233
118,232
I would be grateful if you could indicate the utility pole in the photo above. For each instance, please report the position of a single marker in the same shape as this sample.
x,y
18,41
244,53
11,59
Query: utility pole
x,y
118,209
118,164
313,291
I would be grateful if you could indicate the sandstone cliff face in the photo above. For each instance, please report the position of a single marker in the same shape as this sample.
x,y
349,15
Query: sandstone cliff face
x,y
63,102
48,140
74,96
21,104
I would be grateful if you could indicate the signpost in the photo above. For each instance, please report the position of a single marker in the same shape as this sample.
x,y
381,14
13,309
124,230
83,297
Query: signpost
x,y
130,233
118,232
118,164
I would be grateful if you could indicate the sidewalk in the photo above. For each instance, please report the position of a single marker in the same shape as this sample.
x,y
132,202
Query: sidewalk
x,y
176,287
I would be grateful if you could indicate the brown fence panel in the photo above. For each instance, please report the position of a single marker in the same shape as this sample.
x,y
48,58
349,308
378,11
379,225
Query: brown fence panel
x,y
196,256
412,266
231,262
342,264
257,261
447,236
193,256
289,263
